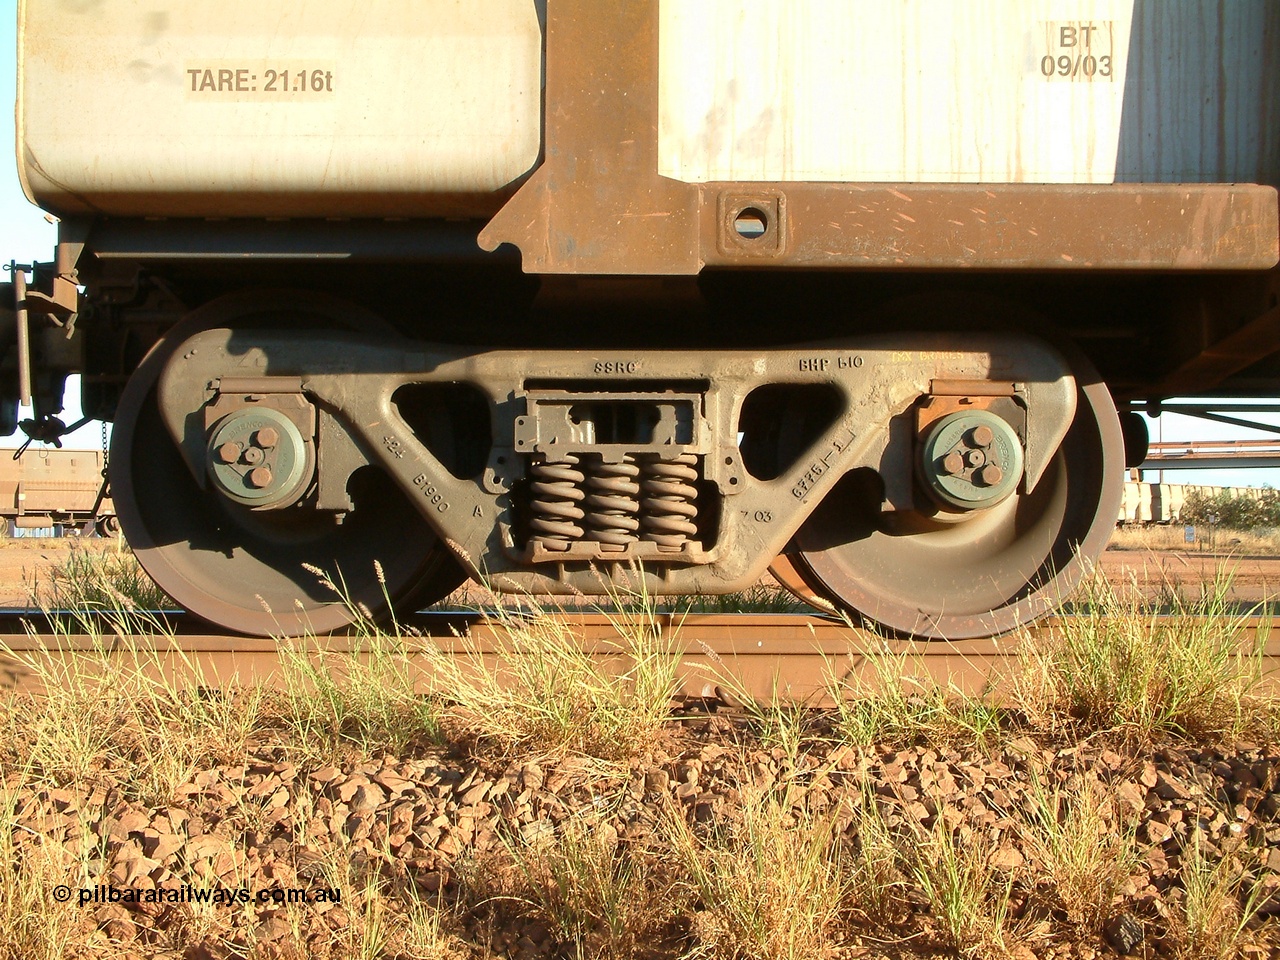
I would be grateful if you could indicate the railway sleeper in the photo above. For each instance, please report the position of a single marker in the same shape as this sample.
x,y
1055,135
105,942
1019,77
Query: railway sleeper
x,y
941,488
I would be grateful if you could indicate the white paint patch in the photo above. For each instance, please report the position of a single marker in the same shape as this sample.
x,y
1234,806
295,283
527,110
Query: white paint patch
x,y
998,91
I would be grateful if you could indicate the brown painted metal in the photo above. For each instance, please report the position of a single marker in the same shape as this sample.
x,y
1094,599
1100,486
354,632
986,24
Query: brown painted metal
x,y
23,321
597,205
1014,226
768,655
45,486
792,576
1237,351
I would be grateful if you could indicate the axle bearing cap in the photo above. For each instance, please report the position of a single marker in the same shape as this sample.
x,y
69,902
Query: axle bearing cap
x,y
981,441
258,478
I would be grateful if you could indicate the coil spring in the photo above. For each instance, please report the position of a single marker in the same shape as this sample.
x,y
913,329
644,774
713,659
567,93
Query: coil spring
x,y
557,493
613,502
670,502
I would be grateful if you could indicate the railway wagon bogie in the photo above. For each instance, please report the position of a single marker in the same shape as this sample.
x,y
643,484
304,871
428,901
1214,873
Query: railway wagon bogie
x,y
664,466
571,293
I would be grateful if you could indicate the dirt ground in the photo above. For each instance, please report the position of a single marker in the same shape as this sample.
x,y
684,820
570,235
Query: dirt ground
x,y
1251,578
26,561
1070,842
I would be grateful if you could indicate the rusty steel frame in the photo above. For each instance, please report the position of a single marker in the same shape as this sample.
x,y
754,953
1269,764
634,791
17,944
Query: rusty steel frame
x,y
352,379
597,205
1238,350
43,487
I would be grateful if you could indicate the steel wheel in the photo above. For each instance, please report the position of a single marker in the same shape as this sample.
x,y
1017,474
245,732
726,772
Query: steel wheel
x,y
796,579
988,574
244,571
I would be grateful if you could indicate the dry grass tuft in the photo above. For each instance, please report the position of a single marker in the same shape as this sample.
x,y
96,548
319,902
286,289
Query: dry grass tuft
x,y
384,917
1219,904
761,598
1082,847
601,898
363,699
771,886
540,692
99,580
884,696
1117,665
116,707
33,925
878,887
968,895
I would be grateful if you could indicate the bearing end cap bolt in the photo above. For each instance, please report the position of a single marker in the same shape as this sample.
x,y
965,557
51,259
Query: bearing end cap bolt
x,y
982,436
990,475
260,477
266,438
229,452
953,463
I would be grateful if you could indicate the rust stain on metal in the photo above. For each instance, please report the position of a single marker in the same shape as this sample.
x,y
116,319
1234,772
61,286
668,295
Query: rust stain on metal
x,y
597,204
770,655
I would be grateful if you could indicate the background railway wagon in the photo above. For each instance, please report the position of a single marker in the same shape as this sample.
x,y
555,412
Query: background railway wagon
x,y
49,488
1164,502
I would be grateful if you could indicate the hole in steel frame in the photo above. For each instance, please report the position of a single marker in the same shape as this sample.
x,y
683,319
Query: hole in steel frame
x,y
779,422
452,421
751,223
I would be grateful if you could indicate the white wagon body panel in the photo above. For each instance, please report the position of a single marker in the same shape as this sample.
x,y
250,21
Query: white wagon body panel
x,y
375,108
970,91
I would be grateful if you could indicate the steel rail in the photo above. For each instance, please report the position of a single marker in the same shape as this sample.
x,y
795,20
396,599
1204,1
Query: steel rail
x,y
722,656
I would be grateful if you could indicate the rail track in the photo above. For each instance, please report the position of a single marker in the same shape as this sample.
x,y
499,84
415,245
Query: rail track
x,y
770,656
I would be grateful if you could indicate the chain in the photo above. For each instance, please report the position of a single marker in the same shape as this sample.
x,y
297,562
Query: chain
x,y
106,450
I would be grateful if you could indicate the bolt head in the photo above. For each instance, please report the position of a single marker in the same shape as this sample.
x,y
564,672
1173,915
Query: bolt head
x,y
982,436
990,475
266,437
229,452
259,477
953,463
975,458
253,455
